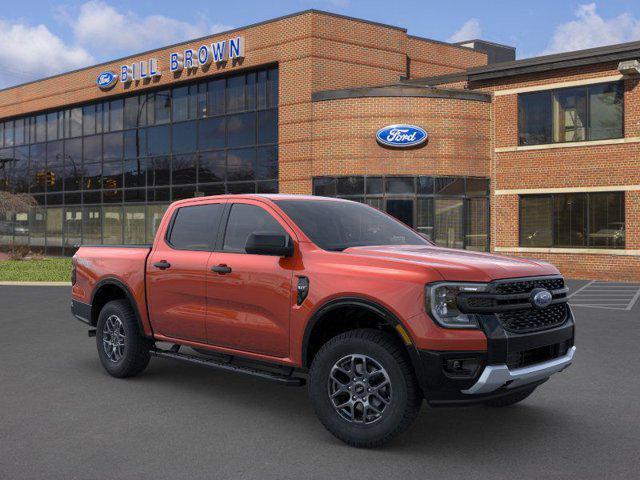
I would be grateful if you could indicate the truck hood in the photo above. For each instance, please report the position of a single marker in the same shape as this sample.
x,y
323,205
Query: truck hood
x,y
460,265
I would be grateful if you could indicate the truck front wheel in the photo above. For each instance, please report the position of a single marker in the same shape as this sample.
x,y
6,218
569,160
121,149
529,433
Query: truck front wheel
x,y
363,388
122,350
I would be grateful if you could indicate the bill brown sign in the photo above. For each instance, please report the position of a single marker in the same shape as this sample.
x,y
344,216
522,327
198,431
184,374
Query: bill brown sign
x,y
189,59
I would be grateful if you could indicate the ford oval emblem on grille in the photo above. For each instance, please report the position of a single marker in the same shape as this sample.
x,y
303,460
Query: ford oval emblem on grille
x,y
401,136
541,298
106,80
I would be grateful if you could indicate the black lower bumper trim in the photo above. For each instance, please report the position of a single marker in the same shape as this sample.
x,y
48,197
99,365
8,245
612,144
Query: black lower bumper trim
x,y
462,400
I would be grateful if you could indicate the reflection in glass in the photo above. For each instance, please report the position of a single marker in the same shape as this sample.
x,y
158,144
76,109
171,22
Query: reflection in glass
x,y
134,224
112,225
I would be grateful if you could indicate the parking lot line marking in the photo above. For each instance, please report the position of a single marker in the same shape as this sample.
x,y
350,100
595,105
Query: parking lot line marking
x,y
581,288
633,300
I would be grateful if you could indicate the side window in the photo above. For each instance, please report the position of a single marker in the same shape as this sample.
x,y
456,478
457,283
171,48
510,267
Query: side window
x,y
194,228
243,221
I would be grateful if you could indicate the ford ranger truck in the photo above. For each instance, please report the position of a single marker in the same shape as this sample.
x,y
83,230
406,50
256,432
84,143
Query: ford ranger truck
x,y
301,289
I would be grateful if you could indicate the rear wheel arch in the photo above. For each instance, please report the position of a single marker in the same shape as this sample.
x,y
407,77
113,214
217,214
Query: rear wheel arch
x,y
350,313
110,289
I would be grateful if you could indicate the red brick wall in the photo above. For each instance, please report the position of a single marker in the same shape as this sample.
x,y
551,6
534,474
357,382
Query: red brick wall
x,y
429,58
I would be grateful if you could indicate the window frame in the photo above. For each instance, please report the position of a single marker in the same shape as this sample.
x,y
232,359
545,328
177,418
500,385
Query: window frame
x,y
552,92
213,240
587,221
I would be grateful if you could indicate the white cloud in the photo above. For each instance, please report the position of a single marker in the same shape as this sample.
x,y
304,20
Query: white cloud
x,y
107,31
591,30
469,31
29,52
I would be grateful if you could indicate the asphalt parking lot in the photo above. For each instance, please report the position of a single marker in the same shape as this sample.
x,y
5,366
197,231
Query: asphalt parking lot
x,y
63,417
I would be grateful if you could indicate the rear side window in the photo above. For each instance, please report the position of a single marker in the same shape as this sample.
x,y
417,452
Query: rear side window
x,y
194,228
243,221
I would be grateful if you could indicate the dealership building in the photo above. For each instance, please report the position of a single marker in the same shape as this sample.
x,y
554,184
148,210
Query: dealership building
x,y
537,157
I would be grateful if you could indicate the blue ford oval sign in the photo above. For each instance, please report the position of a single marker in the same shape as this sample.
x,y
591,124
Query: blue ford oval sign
x,y
401,136
106,80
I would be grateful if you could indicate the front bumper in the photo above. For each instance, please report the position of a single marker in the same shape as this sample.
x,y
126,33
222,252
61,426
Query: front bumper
x,y
494,377
511,362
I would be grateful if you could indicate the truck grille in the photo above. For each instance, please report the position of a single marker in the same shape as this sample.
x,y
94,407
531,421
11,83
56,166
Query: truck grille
x,y
510,301
531,320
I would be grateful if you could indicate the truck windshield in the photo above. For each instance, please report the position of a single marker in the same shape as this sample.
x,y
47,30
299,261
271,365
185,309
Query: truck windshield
x,y
335,225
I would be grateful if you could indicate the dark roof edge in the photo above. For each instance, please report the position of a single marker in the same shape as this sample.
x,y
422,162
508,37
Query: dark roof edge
x,y
436,79
400,91
555,61
226,32
501,45
440,42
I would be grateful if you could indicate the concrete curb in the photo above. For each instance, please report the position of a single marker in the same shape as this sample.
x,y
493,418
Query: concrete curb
x,y
36,284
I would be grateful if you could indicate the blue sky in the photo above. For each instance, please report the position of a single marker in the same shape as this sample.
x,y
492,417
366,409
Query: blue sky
x,y
42,37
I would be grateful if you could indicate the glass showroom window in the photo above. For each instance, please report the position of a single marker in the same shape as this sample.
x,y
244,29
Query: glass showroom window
x,y
575,220
104,172
592,112
451,211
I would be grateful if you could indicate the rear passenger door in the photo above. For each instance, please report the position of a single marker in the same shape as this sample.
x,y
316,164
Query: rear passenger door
x,y
249,296
177,269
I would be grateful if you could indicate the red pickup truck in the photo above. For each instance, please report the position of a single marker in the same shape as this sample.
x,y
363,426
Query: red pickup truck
x,y
333,293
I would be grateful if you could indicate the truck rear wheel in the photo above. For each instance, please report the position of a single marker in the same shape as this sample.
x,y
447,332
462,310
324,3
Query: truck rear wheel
x,y
363,388
123,351
512,399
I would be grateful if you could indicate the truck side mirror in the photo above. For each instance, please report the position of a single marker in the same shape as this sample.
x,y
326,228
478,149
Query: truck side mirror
x,y
266,243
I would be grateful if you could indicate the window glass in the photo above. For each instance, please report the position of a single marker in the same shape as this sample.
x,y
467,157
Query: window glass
x,y
116,115
180,104
41,128
570,115
374,186
158,140
273,88
183,137
337,225
449,222
21,169
605,111
534,118
241,129
134,224
101,111
350,186
324,186
449,185
91,225
8,134
477,187
243,221
112,146
215,97
159,171
162,106
135,143
400,185
92,176
211,167
570,220
235,93
268,126
241,187
179,193
425,185
89,124
241,164
92,148
55,171
153,218
112,175
134,173
261,89
536,221
477,231
37,226
194,228
112,225
19,132
211,133
75,122
54,227
130,115
267,163
184,169
201,101
606,220
250,91
424,216
72,226
37,167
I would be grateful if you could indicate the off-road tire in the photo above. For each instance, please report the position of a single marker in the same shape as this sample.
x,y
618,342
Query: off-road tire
x,y
135,353
405,398
509,400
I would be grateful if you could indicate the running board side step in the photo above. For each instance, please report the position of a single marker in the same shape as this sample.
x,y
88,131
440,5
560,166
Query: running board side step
x,y
280,378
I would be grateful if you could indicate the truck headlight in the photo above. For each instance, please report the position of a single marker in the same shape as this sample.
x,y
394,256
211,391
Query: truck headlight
x,y
442,304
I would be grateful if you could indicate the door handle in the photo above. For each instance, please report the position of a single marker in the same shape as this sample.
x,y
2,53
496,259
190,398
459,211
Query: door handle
x,y
162,264
221,269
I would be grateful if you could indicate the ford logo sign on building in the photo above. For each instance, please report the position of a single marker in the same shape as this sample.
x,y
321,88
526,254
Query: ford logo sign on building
x,y
401,136
106,80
